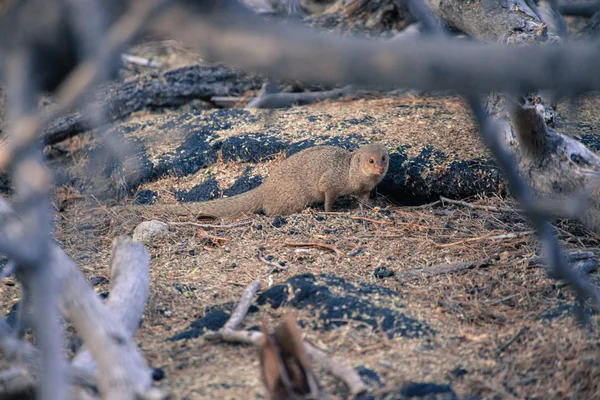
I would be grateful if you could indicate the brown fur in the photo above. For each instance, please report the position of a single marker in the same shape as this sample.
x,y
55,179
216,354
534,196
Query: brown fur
x,y
315,175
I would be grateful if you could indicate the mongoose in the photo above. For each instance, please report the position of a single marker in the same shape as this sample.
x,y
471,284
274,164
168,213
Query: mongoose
x,y
318,174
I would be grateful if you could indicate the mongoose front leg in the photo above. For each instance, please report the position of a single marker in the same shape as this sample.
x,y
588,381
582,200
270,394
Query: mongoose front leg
x,y
329,200
363,198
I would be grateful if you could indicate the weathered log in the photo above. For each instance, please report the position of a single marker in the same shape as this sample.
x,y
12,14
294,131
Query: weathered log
x,y
512,21
169,89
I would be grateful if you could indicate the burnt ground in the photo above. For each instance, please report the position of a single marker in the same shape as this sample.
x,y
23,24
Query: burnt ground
x,y
502,330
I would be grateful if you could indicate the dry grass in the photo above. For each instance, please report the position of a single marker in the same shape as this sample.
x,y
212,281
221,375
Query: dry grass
x,y
475,313
491,338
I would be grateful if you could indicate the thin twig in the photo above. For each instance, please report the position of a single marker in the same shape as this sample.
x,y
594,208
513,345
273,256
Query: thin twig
x,y
262,258
510,341
374,221
428,205
489,236
240,311
478,207
316,244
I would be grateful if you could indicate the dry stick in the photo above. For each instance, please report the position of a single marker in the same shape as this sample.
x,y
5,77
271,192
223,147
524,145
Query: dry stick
x,y
240,311
130,283
478,207
229,334
375,221
355,384
557,263
123,372
510,341
262,258
315,244
428,205
212,226
512,235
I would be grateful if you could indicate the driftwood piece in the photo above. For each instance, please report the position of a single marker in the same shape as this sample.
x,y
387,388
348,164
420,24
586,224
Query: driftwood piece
x,y
171,88
123,373
130,269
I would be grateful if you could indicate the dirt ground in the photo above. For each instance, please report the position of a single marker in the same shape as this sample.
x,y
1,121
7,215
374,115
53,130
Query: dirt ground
x,y
499,331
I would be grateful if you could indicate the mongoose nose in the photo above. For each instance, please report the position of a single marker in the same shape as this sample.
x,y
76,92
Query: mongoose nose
x,y
381,170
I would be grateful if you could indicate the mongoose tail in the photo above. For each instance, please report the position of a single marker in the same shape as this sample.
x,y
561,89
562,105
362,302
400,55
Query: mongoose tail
x,y
245,203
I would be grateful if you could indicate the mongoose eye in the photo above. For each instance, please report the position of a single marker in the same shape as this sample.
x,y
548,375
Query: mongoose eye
x,y
371,160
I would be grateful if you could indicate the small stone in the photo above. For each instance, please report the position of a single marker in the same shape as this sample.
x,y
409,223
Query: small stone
x,y
258,227
282,263
278,221
148,230
262,248
269,257
158,374
383,272
233,265
320,218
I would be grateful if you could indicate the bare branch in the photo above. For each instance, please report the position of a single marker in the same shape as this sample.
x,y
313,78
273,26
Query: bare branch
x,y
428,64
130,268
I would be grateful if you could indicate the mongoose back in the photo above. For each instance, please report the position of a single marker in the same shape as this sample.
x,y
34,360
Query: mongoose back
x,y
315,175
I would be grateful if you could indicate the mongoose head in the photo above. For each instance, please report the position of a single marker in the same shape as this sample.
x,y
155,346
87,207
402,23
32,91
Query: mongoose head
x,y
373,159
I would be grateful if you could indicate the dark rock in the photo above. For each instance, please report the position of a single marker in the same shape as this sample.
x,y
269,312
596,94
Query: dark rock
x,y
146,197
278,222
205,191
158,374
250,147
383,272
426,389
333,300
210,322
244,184
369,376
